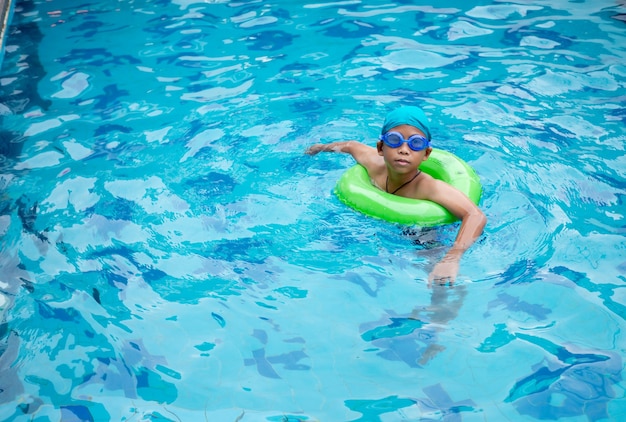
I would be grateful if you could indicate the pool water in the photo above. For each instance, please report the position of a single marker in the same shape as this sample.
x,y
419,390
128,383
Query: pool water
x,y
170,253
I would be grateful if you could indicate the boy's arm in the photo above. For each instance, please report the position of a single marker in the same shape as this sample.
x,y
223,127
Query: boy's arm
x,y
362,153
473,221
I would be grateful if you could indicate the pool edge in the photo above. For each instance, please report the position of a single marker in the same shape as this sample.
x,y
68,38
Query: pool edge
x,y
6,11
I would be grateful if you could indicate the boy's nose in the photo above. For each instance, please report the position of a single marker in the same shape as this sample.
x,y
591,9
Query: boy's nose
x,y
404,148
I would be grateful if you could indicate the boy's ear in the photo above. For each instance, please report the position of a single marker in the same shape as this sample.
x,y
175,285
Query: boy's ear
x,y
379,147
427,152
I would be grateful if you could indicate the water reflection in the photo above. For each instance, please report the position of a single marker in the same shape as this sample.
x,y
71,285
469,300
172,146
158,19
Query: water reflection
x,y
413,338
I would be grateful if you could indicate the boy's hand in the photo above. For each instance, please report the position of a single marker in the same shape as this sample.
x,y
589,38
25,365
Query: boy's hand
x,y
314,149
444,271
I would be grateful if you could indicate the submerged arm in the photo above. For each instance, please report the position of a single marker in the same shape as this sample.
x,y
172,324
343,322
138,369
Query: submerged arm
x,y
473,221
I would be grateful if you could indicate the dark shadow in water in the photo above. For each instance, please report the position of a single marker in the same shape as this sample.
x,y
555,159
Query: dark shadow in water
x,y
24,96
27,213
265,364
567,383
10,148
604,290
17,97
620,16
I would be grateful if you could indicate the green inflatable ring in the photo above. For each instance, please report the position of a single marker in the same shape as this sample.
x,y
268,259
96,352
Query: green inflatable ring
x,y
355,189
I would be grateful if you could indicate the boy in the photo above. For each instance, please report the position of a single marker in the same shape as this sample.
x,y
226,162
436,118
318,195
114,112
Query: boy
x,y
393,166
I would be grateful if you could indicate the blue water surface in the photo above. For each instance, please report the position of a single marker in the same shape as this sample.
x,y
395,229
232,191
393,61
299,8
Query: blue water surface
x,y
168,251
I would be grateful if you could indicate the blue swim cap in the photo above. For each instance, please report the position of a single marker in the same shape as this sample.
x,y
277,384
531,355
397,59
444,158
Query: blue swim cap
x,y
407,115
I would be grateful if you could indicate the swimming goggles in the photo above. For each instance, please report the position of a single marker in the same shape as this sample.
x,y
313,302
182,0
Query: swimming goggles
x,y
395,139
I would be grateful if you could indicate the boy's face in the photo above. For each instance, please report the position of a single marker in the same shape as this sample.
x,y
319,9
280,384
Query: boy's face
x,y
403,158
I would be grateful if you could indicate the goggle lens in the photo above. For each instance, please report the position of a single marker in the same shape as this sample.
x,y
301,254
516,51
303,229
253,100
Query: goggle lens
x,y
395,139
